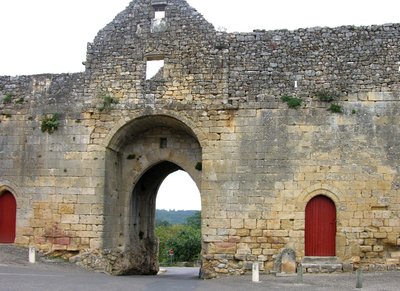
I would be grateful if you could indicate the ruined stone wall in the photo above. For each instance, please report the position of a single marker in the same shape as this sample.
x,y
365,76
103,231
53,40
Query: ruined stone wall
x,y
261,161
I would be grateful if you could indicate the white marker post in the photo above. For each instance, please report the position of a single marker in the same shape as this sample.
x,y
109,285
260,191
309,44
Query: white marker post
x,y
32,255
256,272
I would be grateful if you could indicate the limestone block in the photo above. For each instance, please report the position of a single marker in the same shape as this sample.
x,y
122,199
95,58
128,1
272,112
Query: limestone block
x,y
377,248
243,249
223,231
261,223
219,223
222,248
22,240
234,239
276,233
237,223
58,247
395,254
62,240
380,96
262,239
90,219
69,218
83,208
242,232
365,249
380,235
65,208
256,232
273,224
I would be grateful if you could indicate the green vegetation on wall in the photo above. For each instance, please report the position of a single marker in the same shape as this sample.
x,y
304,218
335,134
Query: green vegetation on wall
x,y
108,101
335,108
326,96
7,98
50,123
292,102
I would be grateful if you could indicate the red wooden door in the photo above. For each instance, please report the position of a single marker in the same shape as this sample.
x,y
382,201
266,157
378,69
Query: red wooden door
x,y
8,210
320,227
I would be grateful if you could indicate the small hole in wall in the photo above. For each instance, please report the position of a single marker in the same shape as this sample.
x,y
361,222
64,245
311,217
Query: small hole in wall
x,y
163,143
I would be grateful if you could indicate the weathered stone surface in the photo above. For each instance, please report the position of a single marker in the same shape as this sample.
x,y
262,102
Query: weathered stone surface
x,y
215,111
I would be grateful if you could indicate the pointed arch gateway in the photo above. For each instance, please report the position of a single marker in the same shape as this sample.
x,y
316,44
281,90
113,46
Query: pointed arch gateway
x,y
320,227
140,155
8,211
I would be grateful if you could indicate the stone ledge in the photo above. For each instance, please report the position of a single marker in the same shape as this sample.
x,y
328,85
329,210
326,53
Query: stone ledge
x,y
321,265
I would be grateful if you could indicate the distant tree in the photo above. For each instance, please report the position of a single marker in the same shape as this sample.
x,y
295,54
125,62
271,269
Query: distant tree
x,y
174,216
165,234
186,244
184,239
162,223
194,220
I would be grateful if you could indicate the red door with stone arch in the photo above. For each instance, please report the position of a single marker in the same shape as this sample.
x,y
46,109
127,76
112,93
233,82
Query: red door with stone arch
x,y
8,212
320,227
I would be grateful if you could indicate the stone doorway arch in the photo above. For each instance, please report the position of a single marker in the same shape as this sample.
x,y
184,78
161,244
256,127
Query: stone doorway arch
x,y
139,157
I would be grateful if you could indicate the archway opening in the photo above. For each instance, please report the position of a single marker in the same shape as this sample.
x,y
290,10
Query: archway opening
x,y
142,227
139,156
8,211
320,227
178,221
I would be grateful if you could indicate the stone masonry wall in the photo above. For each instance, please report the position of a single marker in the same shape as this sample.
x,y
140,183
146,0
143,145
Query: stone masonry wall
x,y
261,161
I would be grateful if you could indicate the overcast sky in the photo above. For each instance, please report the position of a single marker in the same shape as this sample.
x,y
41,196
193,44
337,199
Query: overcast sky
x,y
50,36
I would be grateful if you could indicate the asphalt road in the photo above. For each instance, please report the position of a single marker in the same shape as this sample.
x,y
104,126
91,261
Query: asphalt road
x,y
45,277
17,274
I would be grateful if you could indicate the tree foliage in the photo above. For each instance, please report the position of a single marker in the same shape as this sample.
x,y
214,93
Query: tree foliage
x,y
183,239
174,216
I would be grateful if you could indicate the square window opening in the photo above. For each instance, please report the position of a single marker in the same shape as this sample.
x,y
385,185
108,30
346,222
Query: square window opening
x,y
158,15
154,67
159,11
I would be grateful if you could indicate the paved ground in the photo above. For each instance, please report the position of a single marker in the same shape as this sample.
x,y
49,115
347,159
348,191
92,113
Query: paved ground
x,y
16,273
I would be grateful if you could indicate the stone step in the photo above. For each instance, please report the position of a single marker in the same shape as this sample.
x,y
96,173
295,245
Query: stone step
x,y
322,260
321,265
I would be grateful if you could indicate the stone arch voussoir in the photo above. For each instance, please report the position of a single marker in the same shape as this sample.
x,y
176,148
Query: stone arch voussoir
x,y
6,185
125,121
320,189
180,161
